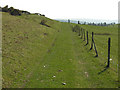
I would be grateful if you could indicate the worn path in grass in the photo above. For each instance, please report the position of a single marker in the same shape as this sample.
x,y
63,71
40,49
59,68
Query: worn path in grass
x,y
69,61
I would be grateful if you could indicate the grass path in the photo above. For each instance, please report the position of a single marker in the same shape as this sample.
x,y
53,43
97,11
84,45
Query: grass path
x,y
69,61
59,62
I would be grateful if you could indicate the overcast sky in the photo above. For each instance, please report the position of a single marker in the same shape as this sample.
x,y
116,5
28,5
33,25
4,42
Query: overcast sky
x,y
64,9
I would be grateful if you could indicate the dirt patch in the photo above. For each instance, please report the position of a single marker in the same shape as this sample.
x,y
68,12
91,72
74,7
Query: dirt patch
x,y
45,33
60,70
27,80
48,50
53,44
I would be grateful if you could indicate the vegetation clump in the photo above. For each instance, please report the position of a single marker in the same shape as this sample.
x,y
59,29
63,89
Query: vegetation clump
x,y
43,22
16,12
12,11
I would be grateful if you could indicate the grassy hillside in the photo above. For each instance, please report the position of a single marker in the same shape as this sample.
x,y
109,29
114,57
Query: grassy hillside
x,y
25,42
37,56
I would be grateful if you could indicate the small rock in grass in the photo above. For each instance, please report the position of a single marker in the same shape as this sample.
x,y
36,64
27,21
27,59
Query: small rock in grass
x,y
60,70
86,73
54,76
63,83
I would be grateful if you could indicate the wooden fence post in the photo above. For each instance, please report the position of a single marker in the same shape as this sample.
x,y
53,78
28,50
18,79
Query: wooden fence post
x,y
84,34
95,49
92,41
108,65
87,38
68,20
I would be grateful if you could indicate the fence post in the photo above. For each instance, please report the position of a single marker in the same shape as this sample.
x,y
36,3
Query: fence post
x,y
68,20
108,52
92,41
87,38
84,34
95,49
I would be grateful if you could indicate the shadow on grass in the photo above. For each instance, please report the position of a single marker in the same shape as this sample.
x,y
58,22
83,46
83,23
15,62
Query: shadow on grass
x,y
103,70
86,44
91,50
81,38
96,56
82,41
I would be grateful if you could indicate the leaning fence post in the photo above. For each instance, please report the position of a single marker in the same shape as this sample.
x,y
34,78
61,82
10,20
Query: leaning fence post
x,y
92,41
84,34
108,52
87,37
95,49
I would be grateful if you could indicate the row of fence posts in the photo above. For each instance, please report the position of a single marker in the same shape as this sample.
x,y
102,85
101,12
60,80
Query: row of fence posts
x,y
81,32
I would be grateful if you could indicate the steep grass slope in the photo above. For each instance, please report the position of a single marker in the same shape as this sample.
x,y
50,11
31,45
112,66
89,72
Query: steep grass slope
x,y
25,42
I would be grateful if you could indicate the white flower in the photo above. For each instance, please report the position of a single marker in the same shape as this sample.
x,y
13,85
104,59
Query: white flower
x,y
110,59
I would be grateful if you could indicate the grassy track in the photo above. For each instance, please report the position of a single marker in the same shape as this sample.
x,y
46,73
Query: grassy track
x,y
79,68
59,61
36,56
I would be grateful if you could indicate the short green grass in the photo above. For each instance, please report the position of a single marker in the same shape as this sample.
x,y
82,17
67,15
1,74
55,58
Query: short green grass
x,y
36,56
24,44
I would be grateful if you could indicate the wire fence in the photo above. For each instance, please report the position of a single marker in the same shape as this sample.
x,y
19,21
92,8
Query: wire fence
x,y
85,36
